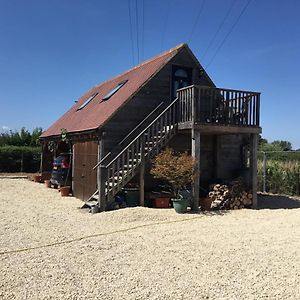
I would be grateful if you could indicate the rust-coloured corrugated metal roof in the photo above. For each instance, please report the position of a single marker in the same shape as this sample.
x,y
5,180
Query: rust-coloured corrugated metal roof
x,y
97,112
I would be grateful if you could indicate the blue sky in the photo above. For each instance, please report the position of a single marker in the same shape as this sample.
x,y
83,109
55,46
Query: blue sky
x,y
51,52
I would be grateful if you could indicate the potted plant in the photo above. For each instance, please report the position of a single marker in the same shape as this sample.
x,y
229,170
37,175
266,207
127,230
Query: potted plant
x,y
178,170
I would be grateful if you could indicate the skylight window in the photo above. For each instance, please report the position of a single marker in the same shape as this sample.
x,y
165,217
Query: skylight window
x,y
114,90
87,101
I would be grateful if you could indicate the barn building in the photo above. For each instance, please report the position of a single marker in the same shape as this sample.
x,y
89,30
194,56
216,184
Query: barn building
x,y
119,125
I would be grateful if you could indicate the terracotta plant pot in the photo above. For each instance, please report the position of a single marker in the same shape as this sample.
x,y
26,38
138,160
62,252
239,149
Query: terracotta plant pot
x,y
65,191
47,183
37,178
205,203
161,202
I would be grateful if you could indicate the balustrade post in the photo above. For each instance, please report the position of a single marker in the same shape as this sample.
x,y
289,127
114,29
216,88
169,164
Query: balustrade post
x,y
196,156
142,171
253,168
193,102
257,109
101,176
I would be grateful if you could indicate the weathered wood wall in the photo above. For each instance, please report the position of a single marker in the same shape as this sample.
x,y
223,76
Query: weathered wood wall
x,y
158,89
221,157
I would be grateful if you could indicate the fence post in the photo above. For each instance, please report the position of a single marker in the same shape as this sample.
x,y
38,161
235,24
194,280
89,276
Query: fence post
x,y
21,162
264,170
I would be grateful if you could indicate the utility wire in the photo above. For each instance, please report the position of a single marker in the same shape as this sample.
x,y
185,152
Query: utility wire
x,y
164,29
196,21
137,31
131,33
229,32
219,28
143,30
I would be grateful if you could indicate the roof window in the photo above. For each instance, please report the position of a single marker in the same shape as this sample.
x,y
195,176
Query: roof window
x,y
87,101
114,90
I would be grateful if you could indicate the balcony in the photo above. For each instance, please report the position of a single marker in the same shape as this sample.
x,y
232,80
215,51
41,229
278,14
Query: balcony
x,y
218,110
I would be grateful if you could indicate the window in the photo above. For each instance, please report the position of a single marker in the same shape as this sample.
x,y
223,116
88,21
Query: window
x,y
114,90
87,101
181,78
181,73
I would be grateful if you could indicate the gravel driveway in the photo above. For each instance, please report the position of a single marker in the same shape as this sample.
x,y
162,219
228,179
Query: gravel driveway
x,y
142,253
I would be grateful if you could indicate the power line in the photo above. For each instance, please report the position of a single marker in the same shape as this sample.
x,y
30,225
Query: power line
x,y
165,25
196,21
131,32
143,30
137,31
219,28
229,32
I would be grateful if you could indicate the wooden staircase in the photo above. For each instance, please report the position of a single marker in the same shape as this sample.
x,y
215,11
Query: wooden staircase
x,y
117,172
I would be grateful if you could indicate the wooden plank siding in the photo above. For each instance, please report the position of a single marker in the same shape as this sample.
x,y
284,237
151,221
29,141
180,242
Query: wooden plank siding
x,y
157,90
85,178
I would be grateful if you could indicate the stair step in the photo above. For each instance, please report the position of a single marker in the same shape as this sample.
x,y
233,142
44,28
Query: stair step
x,y
90,204
96,197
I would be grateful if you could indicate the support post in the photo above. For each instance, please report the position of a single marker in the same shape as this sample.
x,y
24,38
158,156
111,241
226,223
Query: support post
x,y
253,164
142,172
196,156
73,166
101,176
217,158
265,172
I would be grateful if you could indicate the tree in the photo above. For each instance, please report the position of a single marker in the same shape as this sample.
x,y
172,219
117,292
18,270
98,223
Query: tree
x,y
35,136
262,141
277,145
283,145
22,138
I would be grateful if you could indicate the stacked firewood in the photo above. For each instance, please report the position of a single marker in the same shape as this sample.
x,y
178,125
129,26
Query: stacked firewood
x,y
232,196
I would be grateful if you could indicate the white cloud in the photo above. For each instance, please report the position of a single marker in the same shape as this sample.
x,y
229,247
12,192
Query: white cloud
x,y
5,128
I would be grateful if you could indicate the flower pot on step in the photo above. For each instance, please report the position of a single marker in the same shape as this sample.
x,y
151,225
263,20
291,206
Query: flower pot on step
x,y
180,205
65,191
205,203
47,183
37,178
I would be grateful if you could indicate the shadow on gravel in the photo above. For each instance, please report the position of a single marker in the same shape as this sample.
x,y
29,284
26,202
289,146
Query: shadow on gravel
x,y
277,202
210,213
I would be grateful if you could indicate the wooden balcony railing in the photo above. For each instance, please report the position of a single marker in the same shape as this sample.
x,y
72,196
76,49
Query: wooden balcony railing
x,y
208,105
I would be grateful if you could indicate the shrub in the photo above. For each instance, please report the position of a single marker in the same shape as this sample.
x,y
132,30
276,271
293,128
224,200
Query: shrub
x,y
282,177
177,169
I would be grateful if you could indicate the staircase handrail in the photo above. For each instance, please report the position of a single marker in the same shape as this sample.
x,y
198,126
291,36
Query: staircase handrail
x,y
143,132
135,128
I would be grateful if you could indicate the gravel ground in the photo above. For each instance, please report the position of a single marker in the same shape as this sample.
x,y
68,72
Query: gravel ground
x,y
141,253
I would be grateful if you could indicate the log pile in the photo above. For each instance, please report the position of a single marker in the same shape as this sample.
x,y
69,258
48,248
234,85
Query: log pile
x,y
232,196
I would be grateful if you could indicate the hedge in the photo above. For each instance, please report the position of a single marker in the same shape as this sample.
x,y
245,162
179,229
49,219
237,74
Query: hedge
x,y
20,159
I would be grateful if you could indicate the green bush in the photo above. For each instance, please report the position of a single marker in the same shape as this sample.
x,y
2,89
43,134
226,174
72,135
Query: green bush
x,y
282,176
19,158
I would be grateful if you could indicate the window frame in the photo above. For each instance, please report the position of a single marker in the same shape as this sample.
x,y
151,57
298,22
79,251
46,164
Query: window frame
x,y
82,106
114,90
188,70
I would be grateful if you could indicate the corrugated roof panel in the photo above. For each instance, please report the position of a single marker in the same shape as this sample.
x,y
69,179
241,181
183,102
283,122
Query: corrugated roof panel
x,y
97,111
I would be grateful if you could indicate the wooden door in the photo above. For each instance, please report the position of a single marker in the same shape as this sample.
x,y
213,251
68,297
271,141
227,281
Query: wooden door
x,y
85,178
